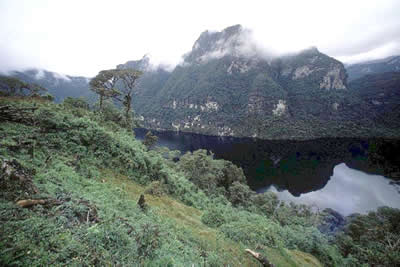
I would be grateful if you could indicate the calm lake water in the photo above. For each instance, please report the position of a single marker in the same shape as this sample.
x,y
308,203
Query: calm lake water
x,y
327,173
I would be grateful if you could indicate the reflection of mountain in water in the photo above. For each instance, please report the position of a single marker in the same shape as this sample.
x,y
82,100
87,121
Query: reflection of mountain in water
x,y
349,191
298,166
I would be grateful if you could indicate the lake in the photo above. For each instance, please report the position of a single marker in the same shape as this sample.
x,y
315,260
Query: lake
x,y
346,174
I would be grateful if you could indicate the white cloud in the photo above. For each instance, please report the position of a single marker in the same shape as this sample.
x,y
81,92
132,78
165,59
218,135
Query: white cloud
x,y
61,76
389,49
39,74
83,37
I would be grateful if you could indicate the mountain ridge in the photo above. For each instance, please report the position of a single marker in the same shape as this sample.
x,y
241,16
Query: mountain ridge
x,y
388,64
59,85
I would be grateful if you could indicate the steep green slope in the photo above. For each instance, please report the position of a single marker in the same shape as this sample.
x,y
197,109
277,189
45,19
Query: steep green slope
x,y
83,174
82,169
381,92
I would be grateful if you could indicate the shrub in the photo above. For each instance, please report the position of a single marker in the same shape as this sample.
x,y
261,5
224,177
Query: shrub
x,y
207,173
155,188
240,194
76,103
213,216
373,238
48,97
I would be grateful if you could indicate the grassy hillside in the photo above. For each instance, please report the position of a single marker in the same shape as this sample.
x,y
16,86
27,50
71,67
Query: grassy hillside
x,y
83,174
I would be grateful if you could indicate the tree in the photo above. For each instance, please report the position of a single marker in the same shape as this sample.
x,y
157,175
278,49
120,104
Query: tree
x,y
76,102
239,194
104,85
129,79
117,84
209,174
35,89
150,139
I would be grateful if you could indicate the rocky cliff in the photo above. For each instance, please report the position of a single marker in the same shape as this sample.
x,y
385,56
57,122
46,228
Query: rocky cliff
x,y
228,86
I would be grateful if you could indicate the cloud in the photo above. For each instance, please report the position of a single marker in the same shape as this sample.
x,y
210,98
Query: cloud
x,y
98,35
386,50
60,76
239,42
39,74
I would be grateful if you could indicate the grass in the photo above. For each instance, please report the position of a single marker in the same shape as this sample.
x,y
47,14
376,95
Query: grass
x,y
97,220
190,218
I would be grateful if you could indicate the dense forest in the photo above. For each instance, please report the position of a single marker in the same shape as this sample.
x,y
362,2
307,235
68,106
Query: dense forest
x,y
77,188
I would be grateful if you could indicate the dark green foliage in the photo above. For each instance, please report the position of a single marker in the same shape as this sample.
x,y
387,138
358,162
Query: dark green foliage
x,y
240,194
150,140
76,103
214,216
381,94
48,97
267,202
110,112
374,238
209,174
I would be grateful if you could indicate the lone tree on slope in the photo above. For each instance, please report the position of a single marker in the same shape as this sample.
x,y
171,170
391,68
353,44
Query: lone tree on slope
x,y
129,79
118,84
104,85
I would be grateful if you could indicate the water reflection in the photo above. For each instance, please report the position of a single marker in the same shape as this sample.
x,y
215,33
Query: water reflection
x,y
349,191
307,171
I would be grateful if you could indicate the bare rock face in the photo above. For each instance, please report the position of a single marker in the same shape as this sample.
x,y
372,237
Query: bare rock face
x,y
302,72
334,79
280,108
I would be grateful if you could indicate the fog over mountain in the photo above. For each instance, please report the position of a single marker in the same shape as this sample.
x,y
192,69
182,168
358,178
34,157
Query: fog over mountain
x,y
81,38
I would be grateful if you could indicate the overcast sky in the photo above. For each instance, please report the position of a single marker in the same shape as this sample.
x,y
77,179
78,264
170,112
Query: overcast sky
x,y
83,37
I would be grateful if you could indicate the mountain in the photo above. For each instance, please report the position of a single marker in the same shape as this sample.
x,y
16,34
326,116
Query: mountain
x,y
389,64
228,86
381,92
142,64
59,85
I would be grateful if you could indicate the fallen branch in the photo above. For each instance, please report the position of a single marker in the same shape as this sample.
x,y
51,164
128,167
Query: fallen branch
x,y
263,260
26,203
